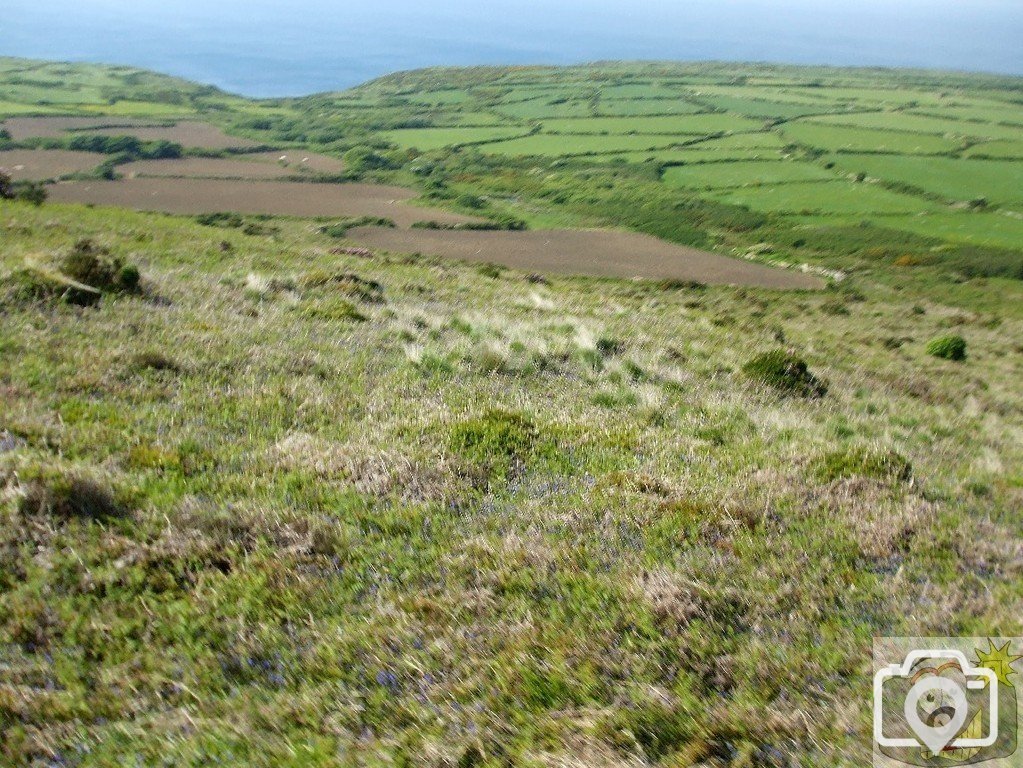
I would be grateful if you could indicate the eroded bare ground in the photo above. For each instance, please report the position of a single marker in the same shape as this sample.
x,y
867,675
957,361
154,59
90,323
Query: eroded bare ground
x,y
597,253
172,195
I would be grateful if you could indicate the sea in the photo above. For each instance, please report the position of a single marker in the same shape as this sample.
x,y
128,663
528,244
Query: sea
x,y
263,48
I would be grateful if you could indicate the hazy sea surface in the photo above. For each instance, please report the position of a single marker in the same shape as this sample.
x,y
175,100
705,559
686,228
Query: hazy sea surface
x,y
264,48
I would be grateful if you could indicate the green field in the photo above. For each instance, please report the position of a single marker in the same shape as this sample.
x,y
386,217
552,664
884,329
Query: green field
x,y
902,121
640,107
699,155
955,180
993,229
427,139
697,125
759,108
714,175
831,198
567,145
1012,150
544,107
848,139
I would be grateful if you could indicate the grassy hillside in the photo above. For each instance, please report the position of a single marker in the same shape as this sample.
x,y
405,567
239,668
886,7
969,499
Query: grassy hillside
x,y
270,498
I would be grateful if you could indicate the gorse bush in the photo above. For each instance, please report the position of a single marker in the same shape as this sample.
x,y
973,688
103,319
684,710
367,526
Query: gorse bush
x,y
785,372
94,266
950,347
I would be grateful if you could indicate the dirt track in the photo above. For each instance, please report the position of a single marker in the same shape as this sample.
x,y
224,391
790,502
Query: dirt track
x,y
268,197
597,253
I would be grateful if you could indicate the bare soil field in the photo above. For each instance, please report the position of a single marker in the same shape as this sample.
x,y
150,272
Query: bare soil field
x,y
42,164
55,127
259,165
259,197
187,134
597,253
301,160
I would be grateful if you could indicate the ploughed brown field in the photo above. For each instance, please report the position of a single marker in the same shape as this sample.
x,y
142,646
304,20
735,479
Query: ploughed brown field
x,y
187,134
55,127
258,165
42,164
284,198
597,253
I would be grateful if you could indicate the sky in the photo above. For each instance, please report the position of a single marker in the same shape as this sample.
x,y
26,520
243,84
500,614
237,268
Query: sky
x,y
265,48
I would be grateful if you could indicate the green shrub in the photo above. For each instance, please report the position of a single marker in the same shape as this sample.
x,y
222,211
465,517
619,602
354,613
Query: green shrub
x,y
340,228
949,347
609,347
226,220
31,192
347,283
493,271
93,265
469,200
785,372
864,462
129,277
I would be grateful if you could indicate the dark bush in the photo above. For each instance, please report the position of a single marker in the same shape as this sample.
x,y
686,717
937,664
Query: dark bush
x,y
34,284
94,266
31,192
69,497
949,347
785,372
340,229
154,361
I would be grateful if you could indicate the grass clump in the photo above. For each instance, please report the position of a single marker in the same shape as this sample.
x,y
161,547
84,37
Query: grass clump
x,y
340,228
864,462
785,372
496,443
950,347
349,283
70,496
336,310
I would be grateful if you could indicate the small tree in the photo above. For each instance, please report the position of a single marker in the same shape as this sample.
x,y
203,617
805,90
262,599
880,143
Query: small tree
x,y
6,187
